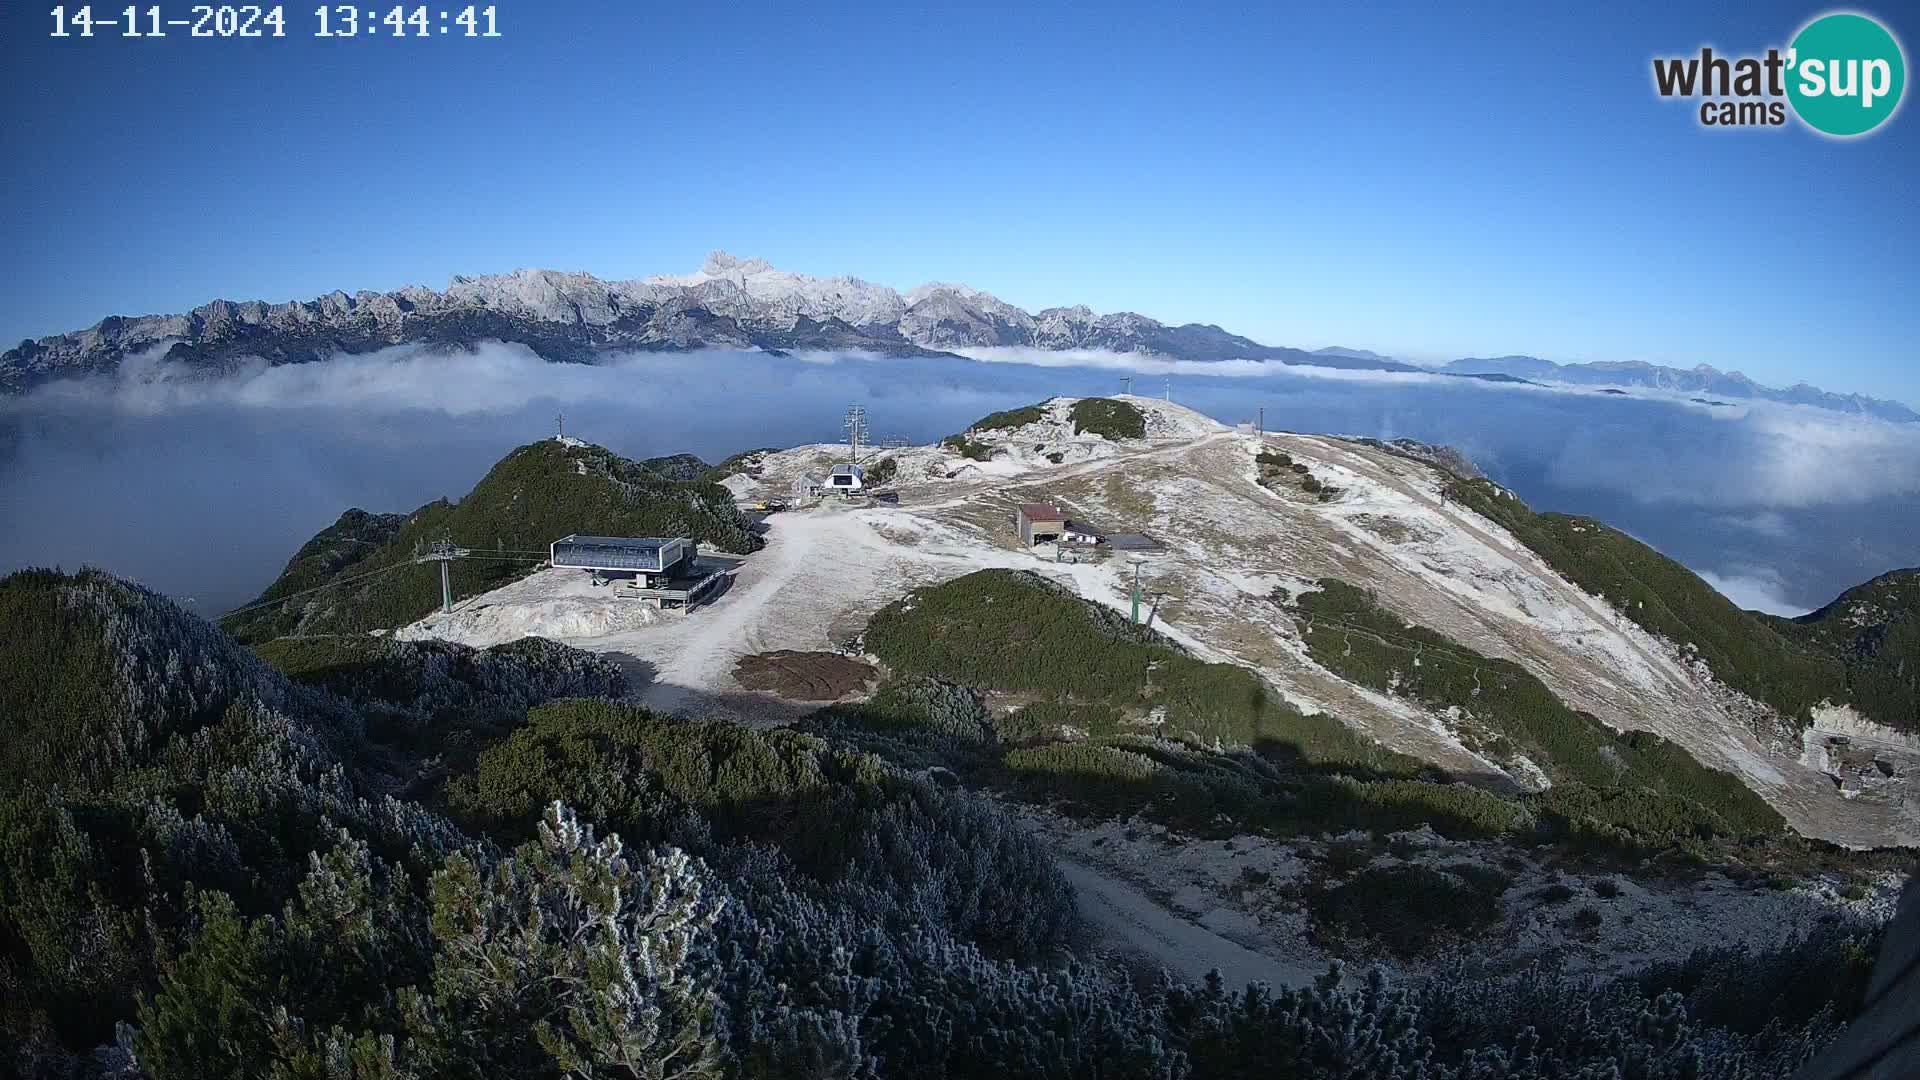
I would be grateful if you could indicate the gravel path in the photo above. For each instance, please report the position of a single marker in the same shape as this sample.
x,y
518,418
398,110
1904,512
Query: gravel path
x,y
1132,920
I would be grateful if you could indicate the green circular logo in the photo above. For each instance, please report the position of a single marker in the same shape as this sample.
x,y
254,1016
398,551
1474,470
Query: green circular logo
x,y
1845,74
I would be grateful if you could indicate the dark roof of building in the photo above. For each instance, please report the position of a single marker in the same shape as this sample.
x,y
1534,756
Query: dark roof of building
x,y
847,470
620,543
1042,512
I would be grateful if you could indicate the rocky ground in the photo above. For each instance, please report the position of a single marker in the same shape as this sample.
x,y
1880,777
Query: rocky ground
x,y
1249,892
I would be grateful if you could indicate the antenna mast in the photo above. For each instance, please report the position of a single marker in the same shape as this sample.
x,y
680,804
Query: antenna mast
x,y
560,420
1126,384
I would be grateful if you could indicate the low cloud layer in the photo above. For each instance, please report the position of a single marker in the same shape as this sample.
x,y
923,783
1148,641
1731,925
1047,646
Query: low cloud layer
x,y
1765,456
1756,589
203,486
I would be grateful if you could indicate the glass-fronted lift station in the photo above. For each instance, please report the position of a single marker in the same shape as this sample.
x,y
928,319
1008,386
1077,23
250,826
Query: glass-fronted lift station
x,y
651,556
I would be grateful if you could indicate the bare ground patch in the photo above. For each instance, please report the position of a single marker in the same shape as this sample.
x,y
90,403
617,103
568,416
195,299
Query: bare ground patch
x,y
804,676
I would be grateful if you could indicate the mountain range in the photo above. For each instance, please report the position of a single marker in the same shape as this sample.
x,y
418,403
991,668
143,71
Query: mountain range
x,y
1703,379
746,304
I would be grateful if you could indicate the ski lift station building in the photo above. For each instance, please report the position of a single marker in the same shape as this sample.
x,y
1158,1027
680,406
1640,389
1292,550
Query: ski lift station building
x,y
646,556
846,478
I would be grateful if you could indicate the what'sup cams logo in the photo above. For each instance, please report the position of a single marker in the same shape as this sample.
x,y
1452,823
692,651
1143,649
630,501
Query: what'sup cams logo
x,y
1842,76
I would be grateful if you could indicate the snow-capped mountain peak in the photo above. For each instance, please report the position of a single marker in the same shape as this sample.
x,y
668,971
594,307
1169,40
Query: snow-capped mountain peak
x,y
732,302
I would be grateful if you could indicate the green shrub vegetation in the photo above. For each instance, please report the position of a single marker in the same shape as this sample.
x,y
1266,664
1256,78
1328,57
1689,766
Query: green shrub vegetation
x,y
1108,418
1556,893
218,880
1874,631
842,817
343,549
682,468
1410,909
1742,648
1223,794
1634,783
967,447
1114,718
744,461
882,471
1276,466
534,496
98,674
438,700
1009,418
1014,631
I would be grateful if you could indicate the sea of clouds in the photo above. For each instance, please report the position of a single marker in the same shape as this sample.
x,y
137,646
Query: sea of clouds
x,y
203,486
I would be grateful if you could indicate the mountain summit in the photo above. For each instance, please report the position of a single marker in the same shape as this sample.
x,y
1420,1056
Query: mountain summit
x,y
734,303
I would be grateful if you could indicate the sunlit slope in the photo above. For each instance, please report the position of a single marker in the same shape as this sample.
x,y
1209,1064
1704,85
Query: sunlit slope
x,y
533,496
1610,627
1874,631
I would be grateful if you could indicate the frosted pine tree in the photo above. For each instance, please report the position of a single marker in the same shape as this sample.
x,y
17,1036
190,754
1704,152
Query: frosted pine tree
x,y
599,956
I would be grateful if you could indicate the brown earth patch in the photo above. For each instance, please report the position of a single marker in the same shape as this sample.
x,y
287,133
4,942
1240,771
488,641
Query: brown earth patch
x,y
804,676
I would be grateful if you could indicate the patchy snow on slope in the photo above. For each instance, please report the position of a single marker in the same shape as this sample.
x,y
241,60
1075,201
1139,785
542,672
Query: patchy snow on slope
x,y
560,604
1237,553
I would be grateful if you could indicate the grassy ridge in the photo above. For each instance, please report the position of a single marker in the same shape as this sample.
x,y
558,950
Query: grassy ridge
x,y
1506,712
535,495
1667,599
734,463
1009,418
1874,630
341,549
685,468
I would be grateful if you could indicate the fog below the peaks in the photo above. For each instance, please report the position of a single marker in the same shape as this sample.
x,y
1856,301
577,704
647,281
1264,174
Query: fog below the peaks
x,y
203,487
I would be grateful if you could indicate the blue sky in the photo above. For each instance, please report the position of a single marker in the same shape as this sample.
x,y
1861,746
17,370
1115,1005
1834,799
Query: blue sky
x,y
1499,179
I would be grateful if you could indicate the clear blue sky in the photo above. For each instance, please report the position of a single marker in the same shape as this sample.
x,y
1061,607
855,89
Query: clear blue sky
x,y
1404,179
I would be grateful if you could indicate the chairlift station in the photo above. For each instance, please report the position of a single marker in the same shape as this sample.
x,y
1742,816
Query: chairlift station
x,y
664,572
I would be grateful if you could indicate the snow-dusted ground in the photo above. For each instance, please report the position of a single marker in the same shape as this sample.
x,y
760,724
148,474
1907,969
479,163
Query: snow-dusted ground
x,y
1144,927
1213,901
563,605
1232,543
1192,483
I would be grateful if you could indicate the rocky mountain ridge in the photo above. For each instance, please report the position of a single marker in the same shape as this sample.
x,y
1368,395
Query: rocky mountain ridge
x,y
742,304
1700,379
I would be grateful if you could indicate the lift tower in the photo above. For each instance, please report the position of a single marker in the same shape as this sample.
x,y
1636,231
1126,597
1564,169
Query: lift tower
x,y
856,425
443,552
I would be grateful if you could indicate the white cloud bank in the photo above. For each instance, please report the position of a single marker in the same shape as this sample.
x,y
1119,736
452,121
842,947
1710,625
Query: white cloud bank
x,y
205,483
1766,457
1756,589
